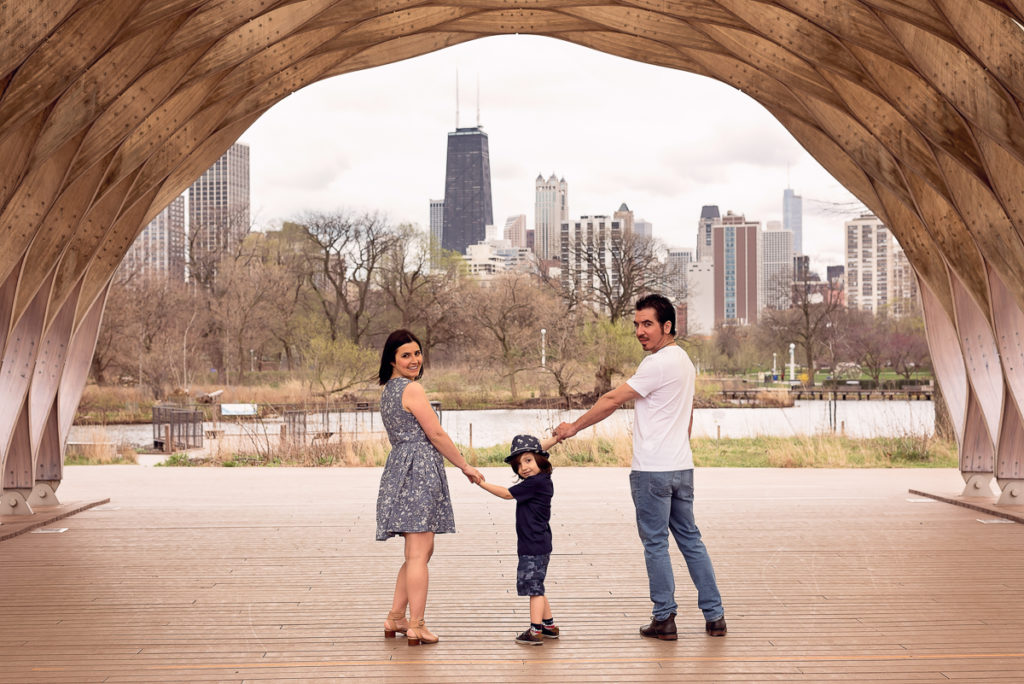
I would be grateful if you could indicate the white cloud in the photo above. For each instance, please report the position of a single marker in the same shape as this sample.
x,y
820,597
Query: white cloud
x,y
665,142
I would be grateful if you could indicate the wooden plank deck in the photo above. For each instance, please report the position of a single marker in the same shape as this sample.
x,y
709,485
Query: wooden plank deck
x,y
245,575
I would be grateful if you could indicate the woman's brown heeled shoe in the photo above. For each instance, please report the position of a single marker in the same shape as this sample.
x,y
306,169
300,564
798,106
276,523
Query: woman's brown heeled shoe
x,y
419,634
393,625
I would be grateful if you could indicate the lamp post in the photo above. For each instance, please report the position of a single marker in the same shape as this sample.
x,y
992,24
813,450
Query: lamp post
x,y
543,348
252,360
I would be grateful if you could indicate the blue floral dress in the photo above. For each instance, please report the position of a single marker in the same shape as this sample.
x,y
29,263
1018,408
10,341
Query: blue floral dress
x,y
413,494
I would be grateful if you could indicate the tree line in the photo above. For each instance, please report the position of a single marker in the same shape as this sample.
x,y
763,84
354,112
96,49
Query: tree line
x,y
315,300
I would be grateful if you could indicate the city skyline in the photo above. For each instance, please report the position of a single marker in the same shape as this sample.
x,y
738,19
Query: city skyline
x,y
671,143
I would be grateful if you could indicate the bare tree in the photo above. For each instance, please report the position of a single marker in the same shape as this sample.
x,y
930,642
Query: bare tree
x,y
908,347
349,251
244,305
112,342
423,286
504,312
209,243
142,331
611,270
807,324
867,341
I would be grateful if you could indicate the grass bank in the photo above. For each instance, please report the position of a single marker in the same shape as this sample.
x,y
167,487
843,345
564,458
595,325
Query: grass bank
x,y
822,451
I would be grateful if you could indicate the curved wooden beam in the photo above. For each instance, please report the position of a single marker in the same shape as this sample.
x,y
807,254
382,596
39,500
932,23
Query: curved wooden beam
x,y
110,108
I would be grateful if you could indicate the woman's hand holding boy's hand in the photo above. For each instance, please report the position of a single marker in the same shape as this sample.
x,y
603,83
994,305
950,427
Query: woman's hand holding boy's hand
x,y
474,475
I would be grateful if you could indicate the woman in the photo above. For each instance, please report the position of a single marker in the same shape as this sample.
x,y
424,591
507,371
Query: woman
x,y
413,501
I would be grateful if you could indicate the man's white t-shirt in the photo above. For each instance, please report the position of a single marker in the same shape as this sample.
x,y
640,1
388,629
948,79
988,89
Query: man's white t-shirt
x,y
665,382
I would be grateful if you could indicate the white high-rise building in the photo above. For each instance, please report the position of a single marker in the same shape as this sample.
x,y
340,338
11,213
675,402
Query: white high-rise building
x,y
159,250
515,230
776,268
700,298
218,204
489,258
588,250
436,231
879,278
550,210
436,222
678,258
793,218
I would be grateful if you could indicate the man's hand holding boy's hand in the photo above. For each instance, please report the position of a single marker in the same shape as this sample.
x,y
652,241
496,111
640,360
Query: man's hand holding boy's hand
x,y
565,431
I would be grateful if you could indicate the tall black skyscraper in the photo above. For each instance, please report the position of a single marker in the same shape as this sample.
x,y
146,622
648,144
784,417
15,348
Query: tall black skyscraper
x,y
467,189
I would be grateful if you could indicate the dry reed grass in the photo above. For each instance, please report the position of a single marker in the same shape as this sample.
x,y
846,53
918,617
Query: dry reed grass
x,y
826,451
351,449
98,449
819,451
292,391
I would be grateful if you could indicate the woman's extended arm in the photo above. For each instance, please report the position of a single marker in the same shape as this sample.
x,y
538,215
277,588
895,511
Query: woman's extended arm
x,y
414,400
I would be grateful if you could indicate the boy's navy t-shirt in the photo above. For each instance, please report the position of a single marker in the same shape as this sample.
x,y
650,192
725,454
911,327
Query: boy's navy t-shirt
x,y
533,514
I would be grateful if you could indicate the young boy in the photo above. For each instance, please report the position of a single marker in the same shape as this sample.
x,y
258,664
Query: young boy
x,y
529,460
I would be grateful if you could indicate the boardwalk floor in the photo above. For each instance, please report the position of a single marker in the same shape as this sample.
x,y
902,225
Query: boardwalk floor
x,y
244,575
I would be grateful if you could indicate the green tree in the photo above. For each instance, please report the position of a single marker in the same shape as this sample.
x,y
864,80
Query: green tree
x,y
337,365
613,348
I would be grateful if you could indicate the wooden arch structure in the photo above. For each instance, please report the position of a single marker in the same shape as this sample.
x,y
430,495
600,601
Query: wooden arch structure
x,y
111,108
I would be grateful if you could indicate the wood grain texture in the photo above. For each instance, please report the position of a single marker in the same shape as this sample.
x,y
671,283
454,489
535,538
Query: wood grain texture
x,y
110,108
244,575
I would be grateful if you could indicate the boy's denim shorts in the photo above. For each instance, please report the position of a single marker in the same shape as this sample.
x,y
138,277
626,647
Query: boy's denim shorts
x,y
530,574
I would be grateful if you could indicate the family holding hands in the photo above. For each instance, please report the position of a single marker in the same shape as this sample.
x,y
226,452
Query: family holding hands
x,y
414,501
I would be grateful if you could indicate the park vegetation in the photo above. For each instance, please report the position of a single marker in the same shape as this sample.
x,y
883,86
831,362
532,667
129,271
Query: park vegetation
x,y
305,310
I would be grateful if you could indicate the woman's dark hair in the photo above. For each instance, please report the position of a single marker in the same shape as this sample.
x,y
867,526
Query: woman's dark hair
x,y
542,462
663,309
387,357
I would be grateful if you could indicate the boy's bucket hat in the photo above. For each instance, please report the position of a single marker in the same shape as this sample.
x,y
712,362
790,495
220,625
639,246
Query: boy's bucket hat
x,y
522,444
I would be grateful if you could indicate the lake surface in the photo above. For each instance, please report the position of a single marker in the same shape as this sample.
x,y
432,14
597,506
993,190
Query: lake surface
x,y
499,426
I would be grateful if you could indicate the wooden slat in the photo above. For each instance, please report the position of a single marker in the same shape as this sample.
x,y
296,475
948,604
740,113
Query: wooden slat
x,y
244,575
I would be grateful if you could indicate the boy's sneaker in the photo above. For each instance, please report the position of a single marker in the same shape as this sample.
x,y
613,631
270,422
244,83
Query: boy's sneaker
x,y
530,638
549,632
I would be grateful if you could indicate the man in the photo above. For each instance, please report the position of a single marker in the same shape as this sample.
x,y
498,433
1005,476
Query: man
x,y
661,479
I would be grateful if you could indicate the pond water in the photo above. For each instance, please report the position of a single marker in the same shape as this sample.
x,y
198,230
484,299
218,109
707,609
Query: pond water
x,y
499,426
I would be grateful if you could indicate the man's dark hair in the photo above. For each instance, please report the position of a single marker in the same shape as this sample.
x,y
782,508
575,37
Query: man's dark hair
x,y
387,357
663,309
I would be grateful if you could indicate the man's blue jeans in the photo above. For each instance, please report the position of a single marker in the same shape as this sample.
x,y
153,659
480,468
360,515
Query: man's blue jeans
x,y
664,501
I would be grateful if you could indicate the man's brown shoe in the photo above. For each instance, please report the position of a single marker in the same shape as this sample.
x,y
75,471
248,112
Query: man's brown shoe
x,y
716,627
661,629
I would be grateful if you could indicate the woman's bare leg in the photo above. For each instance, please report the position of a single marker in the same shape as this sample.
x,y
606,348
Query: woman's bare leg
x,y
419,547
401,600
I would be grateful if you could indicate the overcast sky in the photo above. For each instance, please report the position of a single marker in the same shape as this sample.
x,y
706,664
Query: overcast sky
x,y
664,142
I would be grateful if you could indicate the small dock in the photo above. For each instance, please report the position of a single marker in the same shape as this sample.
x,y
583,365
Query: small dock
x,y
841,393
